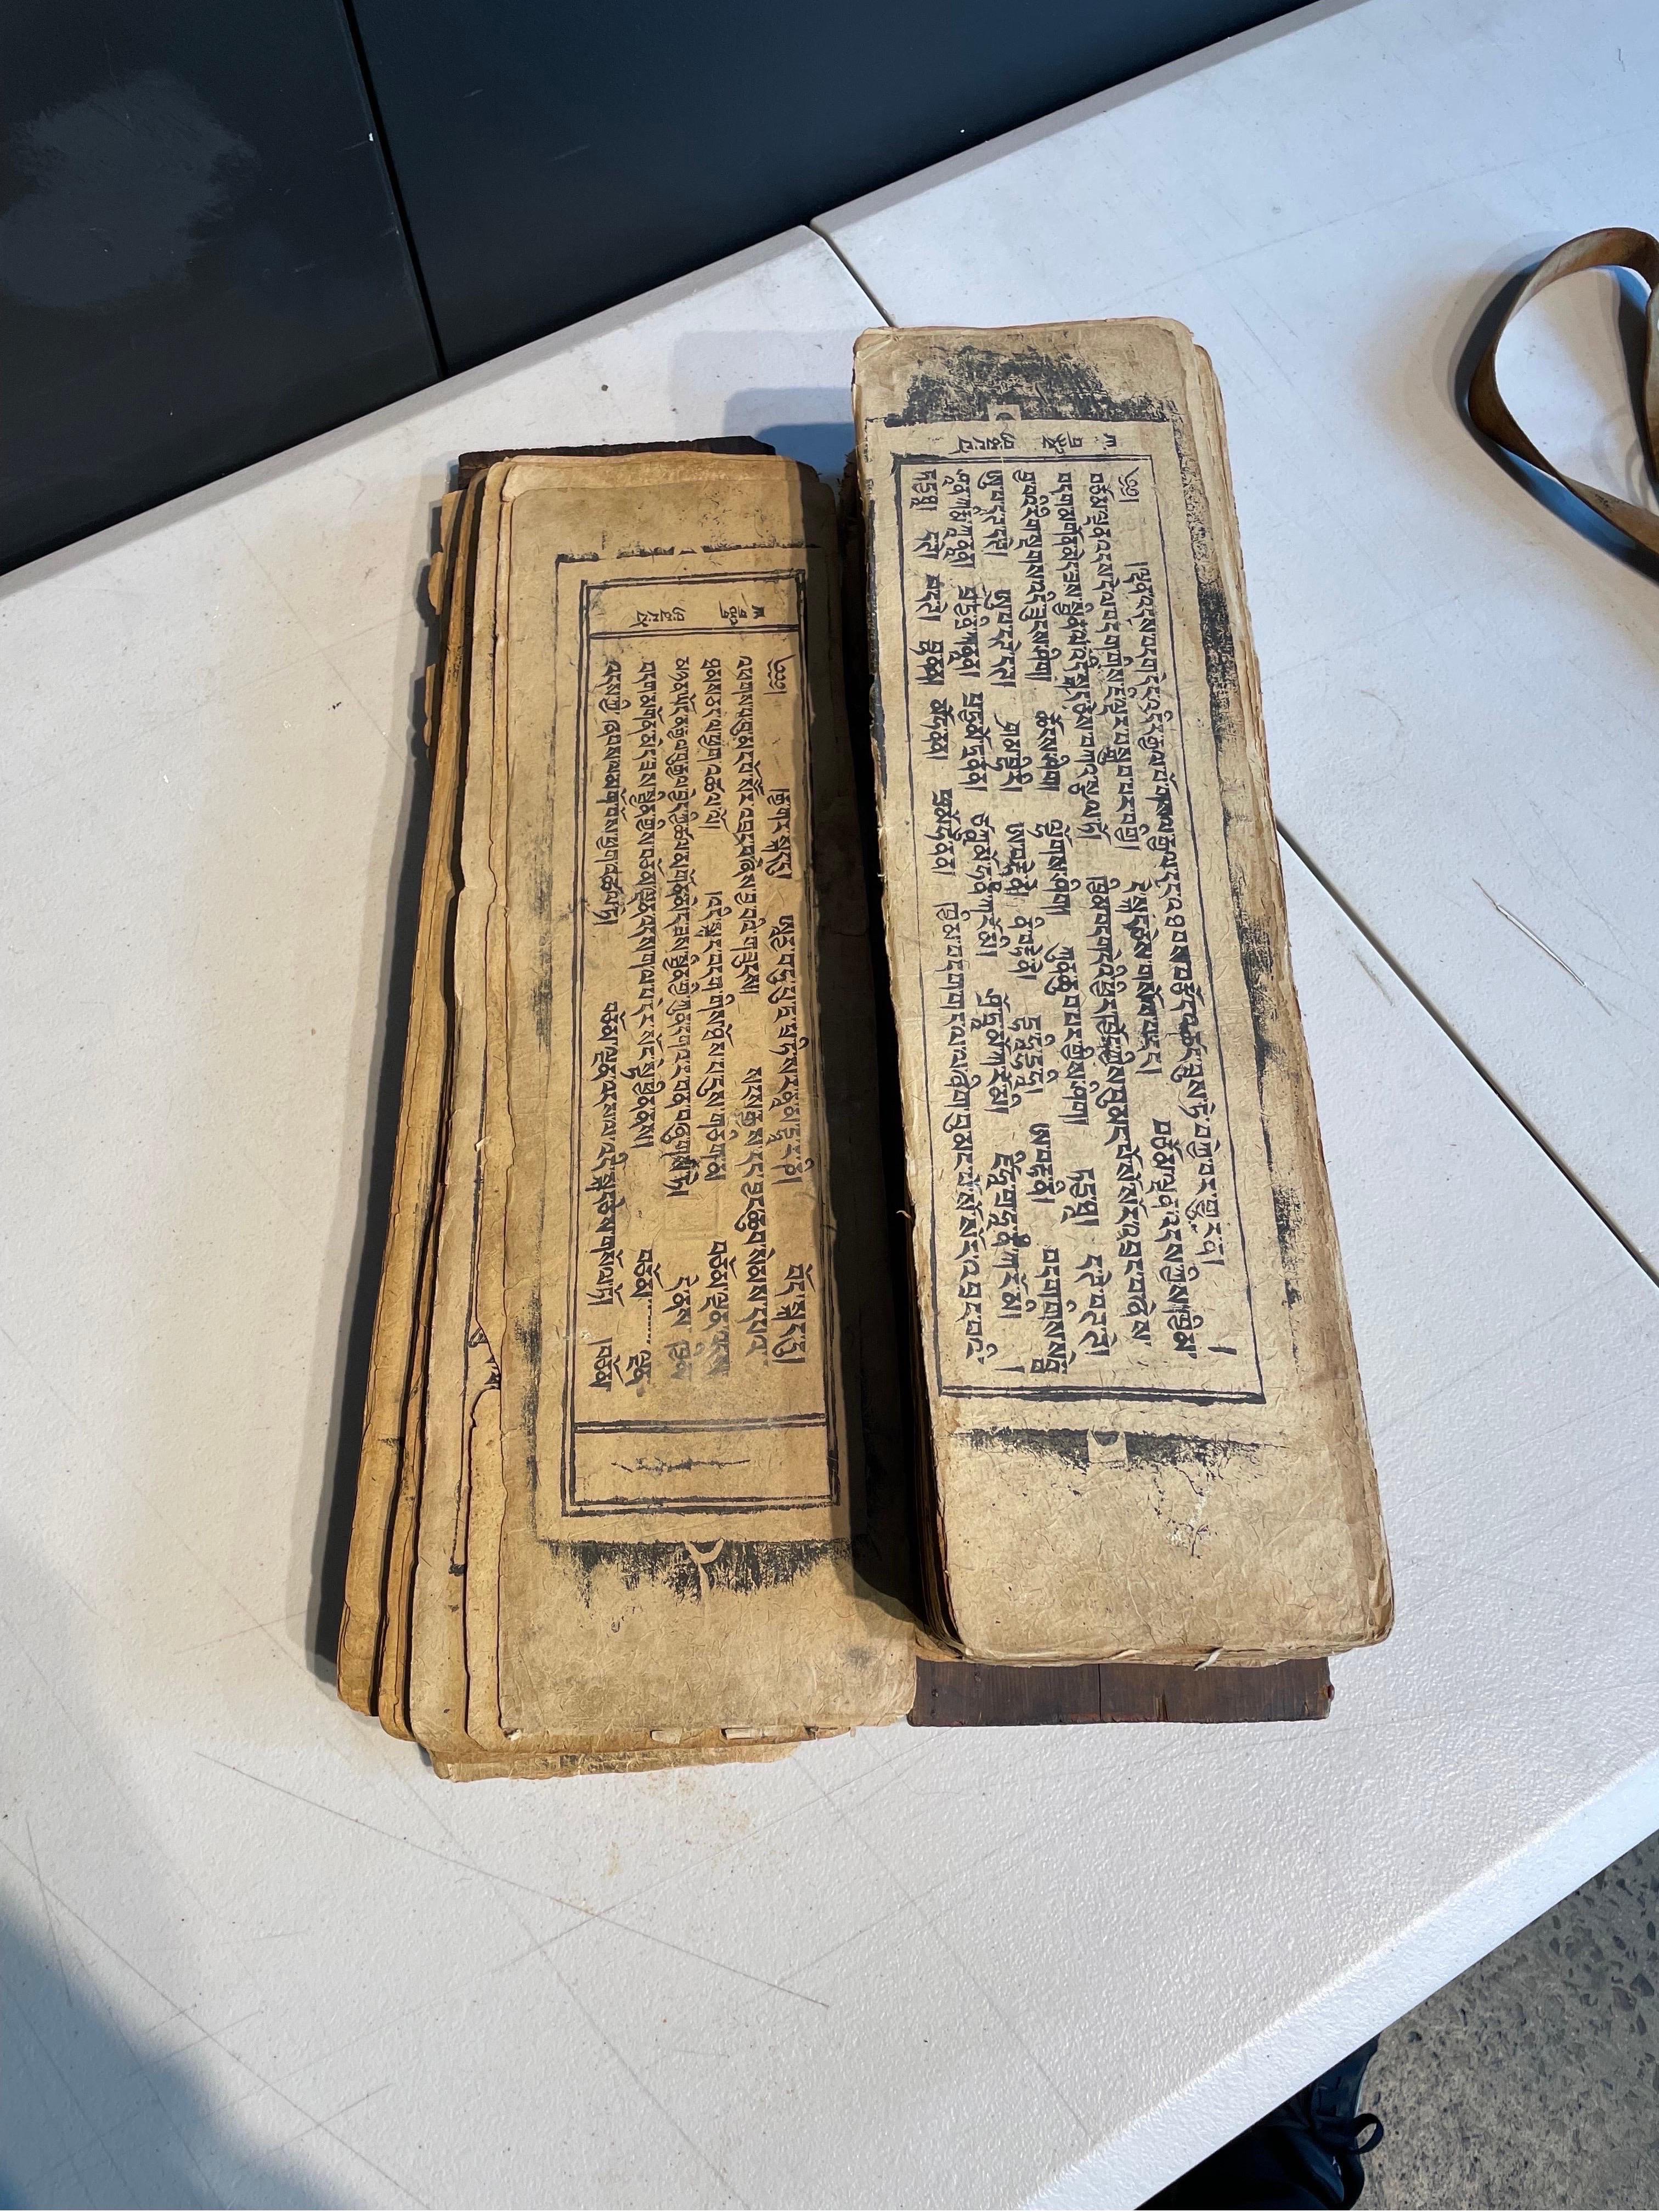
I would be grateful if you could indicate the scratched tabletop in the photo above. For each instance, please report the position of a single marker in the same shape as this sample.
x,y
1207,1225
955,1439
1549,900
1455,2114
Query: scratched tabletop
x,y
251,1950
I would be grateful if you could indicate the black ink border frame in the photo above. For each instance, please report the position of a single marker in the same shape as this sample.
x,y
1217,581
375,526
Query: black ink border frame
x,y
571,1507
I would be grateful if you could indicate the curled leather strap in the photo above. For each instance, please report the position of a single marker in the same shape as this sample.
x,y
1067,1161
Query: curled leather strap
x,y
1597,249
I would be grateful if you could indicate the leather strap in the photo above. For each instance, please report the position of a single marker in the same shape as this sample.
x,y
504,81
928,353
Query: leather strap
x,y
1597,249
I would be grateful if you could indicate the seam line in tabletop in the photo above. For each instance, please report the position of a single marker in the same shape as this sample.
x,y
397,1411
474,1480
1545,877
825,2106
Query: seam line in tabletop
x,y
542,1952
586,1915
825,238
916,1902
1448,1029
313,2124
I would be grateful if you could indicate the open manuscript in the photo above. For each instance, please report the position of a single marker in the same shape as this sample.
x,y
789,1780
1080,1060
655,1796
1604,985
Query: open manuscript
x,y
645,1437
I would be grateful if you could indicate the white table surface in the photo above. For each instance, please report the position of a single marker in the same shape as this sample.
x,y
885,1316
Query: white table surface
x,y
250,1949
1462,693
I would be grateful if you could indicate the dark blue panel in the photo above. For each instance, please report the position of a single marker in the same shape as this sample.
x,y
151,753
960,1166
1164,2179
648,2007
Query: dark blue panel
x,y
554,158
200,254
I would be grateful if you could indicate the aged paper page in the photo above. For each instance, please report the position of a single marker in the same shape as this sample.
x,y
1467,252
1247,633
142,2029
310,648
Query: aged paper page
x,y
454,1668
378,1478
472,1664
453,1653
513,1765
676,1541
449,1415
393,1689
482,1491
391,1693
458,1369
1144,1419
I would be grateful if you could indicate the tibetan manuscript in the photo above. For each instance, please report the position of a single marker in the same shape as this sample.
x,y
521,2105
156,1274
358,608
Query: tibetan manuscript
x,y
677,1486
1143,1432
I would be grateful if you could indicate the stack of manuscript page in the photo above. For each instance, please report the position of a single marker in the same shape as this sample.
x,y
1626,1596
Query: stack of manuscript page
x,y
1140,1428
633,1349
640,1485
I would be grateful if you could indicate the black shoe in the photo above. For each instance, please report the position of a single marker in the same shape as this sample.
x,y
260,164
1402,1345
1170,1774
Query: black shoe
x,y
1306,2152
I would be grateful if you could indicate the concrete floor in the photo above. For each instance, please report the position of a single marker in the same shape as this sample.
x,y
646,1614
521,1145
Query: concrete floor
x,y
1533,2079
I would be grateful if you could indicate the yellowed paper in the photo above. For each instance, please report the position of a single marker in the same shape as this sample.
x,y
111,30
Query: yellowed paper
x,y
1143,1413
552,1767
446,1523
373,1539
457,1367
677,1542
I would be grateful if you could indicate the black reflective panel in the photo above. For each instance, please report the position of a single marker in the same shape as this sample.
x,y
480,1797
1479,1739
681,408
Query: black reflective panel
x,y
200,257
554,158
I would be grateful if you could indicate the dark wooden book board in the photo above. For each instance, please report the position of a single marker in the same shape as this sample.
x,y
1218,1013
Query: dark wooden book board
x,y
961,1694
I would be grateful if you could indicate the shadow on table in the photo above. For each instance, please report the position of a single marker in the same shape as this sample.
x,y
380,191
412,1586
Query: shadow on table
x,y
97,2111
823,445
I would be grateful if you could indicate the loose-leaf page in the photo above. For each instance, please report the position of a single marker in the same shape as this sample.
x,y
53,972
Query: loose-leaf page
x,y
676,1548
1142,1407
376,1591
